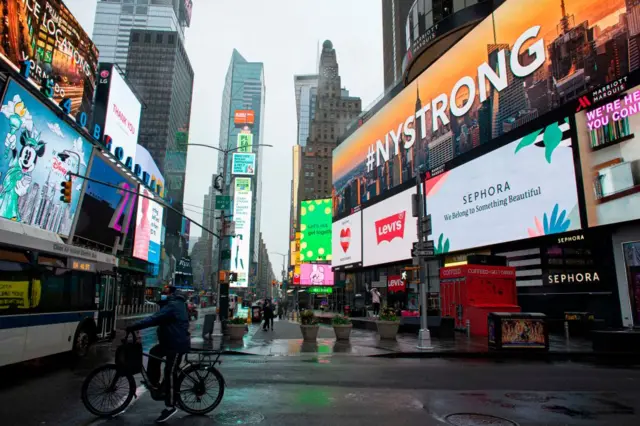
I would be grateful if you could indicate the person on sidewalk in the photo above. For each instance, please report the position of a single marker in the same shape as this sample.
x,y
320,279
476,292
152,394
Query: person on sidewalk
x,y
267,315
375,299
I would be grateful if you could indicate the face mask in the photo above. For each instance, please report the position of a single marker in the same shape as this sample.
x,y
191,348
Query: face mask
x,y
163,297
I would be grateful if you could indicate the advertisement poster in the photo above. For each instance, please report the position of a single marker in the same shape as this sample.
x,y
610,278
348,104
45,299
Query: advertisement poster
x,y
609,142
245,142
532,193
106,213
316,274
244,117
346,240
46,33
523,333
38,151
243,164
117,111
148,165
241,242
146,244
389,230
512,67
315,230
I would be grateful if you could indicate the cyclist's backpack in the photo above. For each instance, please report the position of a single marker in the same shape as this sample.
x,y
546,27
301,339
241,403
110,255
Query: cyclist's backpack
x,y
129,357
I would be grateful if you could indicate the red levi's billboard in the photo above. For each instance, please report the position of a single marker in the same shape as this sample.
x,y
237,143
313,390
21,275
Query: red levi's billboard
x,y
395,284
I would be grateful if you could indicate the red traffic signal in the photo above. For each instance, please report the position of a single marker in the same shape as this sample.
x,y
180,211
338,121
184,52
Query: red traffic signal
x,y
65,191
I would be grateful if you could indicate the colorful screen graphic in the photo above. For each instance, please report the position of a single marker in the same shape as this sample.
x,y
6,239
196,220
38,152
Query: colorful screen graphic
x,y
533,193
243,164
38,151
240,248
346,240
148,225
315,230
45,32
316,274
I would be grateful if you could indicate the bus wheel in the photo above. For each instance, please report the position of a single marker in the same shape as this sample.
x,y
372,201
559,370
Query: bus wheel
x,y
81,342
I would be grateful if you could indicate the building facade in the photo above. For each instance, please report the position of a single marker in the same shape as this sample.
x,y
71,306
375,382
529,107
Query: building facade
x,y
394,45
116,18
306,87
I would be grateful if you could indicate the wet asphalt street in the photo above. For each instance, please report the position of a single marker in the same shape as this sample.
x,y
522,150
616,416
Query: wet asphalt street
x,y
348,390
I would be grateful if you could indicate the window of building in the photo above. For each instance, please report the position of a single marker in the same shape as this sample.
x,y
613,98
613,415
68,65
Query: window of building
x,y
171,39
147,38
135,37
158,38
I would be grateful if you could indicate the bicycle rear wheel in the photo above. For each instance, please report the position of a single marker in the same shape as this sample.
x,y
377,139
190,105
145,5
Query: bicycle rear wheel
x,y
107,392
200,389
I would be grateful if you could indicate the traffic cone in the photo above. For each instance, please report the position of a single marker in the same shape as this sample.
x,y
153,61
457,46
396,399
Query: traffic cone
x,y
249,319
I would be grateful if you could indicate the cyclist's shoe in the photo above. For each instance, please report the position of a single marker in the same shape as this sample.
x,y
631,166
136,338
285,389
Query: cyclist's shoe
x,y
166,414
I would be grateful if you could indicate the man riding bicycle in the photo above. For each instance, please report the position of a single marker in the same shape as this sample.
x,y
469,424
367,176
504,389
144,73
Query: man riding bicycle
x,y
174,340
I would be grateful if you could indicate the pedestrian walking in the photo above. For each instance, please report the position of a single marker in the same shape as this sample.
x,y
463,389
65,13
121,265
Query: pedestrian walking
x,y
267,315
375,299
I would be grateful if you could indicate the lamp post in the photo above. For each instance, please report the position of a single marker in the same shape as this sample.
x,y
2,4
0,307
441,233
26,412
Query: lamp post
x,y
223,190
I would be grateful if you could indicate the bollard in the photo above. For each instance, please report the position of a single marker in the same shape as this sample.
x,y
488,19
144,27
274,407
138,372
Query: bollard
x,y
566,330
468,325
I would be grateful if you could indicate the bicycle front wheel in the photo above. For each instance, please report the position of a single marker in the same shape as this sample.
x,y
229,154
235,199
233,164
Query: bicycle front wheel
x,y
106,392
200,389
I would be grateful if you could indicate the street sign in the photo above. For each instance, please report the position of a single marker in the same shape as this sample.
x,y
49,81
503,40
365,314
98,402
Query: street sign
x,y
426,225
229,228
422,253
223,202
426,245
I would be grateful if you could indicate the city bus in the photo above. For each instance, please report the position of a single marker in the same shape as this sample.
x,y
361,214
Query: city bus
x,y
52,303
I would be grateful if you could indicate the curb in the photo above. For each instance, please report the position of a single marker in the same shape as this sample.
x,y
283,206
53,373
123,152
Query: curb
x,y
626,357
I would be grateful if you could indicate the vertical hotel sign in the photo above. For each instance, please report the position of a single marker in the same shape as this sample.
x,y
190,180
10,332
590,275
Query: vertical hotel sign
x,y
242,240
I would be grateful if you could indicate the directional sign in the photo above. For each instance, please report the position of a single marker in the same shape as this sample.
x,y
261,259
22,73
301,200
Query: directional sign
x,y
223,202
422,253
425,245
426,225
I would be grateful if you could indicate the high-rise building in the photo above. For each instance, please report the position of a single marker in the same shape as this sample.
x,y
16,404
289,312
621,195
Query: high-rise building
x,y
335,109
244,89
116,18
265,274
159,69
394,40
306,92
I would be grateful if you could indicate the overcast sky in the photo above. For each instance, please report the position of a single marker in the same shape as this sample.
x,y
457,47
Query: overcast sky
x,y
284,35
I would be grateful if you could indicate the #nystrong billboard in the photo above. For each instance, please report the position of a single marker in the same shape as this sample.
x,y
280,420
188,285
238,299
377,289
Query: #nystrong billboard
x,y
46,34
524,189
516,65
38,151
315,230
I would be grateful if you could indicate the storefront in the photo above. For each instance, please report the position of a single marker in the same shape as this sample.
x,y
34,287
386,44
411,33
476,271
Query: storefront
x,y
131,281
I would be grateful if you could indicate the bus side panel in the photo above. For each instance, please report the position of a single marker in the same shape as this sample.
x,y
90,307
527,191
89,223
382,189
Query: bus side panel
x,y
53,333
12,342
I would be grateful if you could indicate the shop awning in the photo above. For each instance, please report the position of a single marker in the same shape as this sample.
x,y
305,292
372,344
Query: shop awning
x,y
32,238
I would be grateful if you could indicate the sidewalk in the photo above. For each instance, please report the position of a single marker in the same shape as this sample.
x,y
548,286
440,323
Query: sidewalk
x,y
286,340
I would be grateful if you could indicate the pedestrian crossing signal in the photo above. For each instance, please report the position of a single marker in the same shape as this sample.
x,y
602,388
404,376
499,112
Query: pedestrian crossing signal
x,y
66,191
233,277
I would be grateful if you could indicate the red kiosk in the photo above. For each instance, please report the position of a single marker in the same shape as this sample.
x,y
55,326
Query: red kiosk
x,y
471,292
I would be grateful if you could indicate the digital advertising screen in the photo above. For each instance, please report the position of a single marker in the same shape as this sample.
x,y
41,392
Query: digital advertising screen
x,y
106,213
495,79
240,247
346,241
389,230
38,151
532,193
245,142
117,111
315,230
609,143
316,274
243,164
50,37
148,165
146,245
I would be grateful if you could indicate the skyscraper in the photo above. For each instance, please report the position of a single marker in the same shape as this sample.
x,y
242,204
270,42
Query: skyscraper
x,y
306,92
116,18
244,89
159,69
394,40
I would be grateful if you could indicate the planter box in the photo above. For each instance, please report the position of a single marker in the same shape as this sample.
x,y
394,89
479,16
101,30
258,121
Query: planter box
x,y
388,329
236,331
309,332
343,332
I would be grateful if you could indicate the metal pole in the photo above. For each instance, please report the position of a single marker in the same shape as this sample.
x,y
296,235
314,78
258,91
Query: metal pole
x,y
217,329
424,338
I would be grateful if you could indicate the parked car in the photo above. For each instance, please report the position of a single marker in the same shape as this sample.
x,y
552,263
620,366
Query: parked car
x,y
192,310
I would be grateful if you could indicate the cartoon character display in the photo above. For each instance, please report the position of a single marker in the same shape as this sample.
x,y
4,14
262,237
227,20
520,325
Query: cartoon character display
x,y
17,180
19,118
317,275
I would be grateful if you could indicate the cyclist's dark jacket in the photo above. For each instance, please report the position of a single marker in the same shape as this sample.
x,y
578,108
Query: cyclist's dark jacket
x,y
173,325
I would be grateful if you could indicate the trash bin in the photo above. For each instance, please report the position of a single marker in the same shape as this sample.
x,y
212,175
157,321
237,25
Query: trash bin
x,y
256,314
518,331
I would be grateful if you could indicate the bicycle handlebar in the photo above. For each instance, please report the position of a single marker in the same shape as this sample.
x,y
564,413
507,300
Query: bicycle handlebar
x,y
126,336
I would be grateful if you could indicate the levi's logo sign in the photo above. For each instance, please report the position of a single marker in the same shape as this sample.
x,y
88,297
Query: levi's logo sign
x,y
390,227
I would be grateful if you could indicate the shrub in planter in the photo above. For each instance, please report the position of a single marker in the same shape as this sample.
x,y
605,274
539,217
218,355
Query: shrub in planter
x,y
237,327
309,326
388,324
342,327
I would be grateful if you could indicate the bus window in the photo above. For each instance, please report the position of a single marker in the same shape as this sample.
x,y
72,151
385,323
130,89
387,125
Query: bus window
x,y
83,292
14,286
54,290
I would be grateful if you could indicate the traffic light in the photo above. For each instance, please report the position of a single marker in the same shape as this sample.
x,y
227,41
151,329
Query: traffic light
x,y
273,283
233,277
66,191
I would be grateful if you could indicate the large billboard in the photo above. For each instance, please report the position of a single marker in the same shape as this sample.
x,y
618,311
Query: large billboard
x,y
389,230
346,241
117,111
38,151
315,230
511,68
240,247
243,164
106,212
245,142
609,156
146,244
49,36
244,117
524,189
149,166
316,274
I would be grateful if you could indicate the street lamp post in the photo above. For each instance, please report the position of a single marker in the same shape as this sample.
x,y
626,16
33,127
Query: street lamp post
x,y
225,152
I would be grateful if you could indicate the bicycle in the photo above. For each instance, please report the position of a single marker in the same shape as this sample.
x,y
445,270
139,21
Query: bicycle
x,y
119,386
